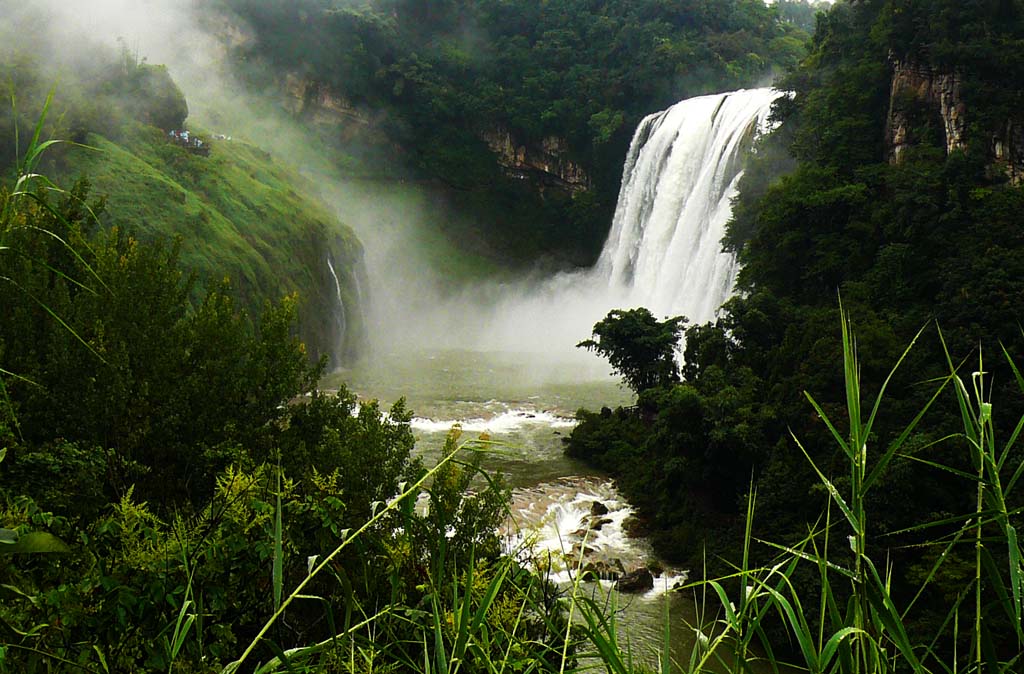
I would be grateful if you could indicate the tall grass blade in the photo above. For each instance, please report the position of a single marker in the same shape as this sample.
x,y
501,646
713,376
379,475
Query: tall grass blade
x,y
885,612
440,658
277,572
885,385
840,440
834,642
666,640
893,448
1015,578
833,492
391,505
851,379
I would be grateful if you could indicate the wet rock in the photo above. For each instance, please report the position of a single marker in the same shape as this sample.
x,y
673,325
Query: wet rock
x,y
600,570
655,567
637,581
578,547
635,527
597,522
579,533
597,509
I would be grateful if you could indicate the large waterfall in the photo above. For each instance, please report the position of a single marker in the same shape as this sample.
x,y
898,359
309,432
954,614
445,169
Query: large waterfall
x,y
664,250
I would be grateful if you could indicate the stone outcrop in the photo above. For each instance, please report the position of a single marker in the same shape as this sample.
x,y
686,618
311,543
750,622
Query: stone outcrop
x,y
640,580
320,104
914,83
547,164
1008,151
921,89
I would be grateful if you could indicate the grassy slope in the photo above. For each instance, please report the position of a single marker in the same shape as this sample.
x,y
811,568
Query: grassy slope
x,y
240,214
423,215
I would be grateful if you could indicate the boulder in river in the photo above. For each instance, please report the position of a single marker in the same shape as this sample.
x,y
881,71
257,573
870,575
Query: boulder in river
x,y
578,547
600,570
636,581
635,527
598,509
597,522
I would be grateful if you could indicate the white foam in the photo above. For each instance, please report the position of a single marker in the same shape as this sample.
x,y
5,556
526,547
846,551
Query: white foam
x,y
551,522
506,422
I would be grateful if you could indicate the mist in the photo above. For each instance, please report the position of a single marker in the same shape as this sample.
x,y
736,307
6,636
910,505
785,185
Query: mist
x,y
412,302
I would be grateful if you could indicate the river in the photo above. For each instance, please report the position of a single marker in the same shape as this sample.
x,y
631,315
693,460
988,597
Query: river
x,y
526,402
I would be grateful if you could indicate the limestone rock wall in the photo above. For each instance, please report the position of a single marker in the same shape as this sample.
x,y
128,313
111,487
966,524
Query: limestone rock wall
x,y
307,97
547,164
1008,151
942,91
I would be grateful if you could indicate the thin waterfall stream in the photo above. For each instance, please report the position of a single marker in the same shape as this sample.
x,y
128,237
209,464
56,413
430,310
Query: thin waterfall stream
x,y
341,321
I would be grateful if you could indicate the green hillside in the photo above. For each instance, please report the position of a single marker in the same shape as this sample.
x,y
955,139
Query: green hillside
x,y
239,213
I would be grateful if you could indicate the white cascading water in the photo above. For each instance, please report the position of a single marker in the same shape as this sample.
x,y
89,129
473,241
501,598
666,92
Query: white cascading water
x,y
339,316
664,249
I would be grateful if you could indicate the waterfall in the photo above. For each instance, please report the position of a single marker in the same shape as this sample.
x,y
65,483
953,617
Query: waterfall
x,y
341,322
664,249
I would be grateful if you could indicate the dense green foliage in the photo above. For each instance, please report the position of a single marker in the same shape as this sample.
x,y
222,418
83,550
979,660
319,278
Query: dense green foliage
x,y
934,239
639,347
437,78
181,452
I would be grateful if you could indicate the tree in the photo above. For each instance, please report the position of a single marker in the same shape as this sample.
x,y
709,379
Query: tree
x,y
639,347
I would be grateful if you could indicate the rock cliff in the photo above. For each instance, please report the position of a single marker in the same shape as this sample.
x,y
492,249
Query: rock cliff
x,y
547,165
1008,150
941,92
918,92
323,107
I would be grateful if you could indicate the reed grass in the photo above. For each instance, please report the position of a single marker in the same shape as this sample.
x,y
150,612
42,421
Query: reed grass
x,y
31,190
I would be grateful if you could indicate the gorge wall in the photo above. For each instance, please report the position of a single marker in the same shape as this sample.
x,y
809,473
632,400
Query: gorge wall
x,y
915,84
920,92
546,164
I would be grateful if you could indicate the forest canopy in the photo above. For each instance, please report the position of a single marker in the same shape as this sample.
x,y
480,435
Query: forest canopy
x,y
436,80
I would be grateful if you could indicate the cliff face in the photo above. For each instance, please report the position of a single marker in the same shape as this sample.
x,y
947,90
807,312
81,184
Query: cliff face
x,y
1008,150
323,107
547,165
941,92
921,91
